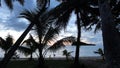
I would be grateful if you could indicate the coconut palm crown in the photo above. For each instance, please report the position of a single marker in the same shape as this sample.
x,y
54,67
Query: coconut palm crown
x,y
5,44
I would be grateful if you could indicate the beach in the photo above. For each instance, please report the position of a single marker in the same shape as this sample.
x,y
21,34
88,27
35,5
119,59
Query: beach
x,y
90,62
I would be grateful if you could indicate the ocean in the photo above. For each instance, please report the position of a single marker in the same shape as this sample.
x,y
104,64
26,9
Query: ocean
x,y
85,51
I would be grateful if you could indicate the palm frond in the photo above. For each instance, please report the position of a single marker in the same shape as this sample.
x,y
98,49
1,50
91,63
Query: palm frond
x,y
60,43
58,10
24,50
2,42
66,53
63,19
98,27
69,39
34,43
0,3
41,31
82,44
31,46
31,43
43,3
21,2
56,46
9,3
9,41
61,14
99,51
51,34
28,42
29,15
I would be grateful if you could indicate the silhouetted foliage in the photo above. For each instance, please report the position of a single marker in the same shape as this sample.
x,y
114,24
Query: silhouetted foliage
x,y
67,54
28,47
60,43
100,52
7,43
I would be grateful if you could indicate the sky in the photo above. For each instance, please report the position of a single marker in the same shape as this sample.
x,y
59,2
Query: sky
x,y
11,24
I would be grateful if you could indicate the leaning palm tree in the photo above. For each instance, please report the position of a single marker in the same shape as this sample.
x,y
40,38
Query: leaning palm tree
x,y
32,17
10,53
45,32
6,44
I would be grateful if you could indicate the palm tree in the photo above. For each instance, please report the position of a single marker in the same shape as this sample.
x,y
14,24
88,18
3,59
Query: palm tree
x,y
30,48
67,54
46,32
32,17
100,52
10,53
6,59
45,36
6,44
71,8
113,9
82,9
110,35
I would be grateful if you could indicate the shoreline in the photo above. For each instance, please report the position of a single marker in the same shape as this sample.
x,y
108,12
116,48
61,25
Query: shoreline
x,y
64,58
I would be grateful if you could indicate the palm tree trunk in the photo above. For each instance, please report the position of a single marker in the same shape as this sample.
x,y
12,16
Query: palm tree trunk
x,y
111,38
41,59
31,57
78,39
5,53
10,53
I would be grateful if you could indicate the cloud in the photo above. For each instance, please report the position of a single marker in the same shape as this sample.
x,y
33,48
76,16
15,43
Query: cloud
x,y
12,23
9,23
9,20
16,24
86,36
